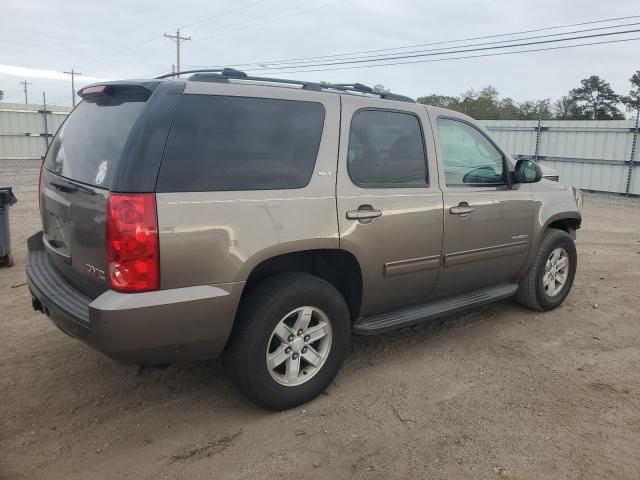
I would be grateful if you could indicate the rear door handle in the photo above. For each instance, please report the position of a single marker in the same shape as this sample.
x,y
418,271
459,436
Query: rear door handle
x,y
463,208
365,212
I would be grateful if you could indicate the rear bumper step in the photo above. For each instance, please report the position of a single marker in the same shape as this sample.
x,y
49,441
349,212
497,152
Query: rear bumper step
x,y
406,317
52,295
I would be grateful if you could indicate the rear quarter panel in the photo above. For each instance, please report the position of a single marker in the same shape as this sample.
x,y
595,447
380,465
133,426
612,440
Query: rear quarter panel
x,y
220,237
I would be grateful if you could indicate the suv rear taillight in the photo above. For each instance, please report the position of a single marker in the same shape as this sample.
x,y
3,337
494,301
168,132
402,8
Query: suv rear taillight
x,y
133,253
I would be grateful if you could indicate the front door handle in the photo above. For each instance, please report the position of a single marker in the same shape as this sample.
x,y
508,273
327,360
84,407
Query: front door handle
x,y
364,212
463,208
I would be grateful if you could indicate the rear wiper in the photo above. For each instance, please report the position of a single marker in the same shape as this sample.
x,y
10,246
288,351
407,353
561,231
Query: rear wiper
x,y
71,187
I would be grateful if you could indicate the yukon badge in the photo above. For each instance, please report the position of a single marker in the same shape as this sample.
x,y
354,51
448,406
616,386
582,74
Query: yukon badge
x,y
522,236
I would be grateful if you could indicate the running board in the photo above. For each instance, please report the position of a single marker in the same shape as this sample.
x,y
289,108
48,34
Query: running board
x,y
405,317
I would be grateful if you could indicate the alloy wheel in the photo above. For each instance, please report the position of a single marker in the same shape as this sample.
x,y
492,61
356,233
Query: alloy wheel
x,y
299,346
556,272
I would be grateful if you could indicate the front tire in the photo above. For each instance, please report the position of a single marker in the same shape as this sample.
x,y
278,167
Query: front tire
x,y
290,339
551,275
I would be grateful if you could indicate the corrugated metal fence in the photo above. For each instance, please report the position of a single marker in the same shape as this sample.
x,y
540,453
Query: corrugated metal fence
x,y
25,130
599,155
593,155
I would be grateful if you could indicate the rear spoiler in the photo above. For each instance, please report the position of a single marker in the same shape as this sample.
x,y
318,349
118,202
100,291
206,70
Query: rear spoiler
x,y
142,88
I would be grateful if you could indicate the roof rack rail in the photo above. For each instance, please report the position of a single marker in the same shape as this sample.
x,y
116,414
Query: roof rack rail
x,y
223,75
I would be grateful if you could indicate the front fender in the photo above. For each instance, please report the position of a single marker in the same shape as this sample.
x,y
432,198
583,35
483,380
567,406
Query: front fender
x,y
551,205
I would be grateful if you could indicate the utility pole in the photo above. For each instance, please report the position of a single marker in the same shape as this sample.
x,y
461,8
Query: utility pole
x,y
25,84
73,74
177,39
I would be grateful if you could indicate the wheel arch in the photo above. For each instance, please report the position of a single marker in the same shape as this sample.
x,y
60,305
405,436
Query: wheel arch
x,y
567,221
336,266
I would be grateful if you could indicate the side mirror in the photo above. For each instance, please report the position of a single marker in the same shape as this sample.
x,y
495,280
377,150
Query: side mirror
x,y
527,171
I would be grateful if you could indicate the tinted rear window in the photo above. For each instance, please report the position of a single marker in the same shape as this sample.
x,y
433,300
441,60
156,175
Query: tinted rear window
x,y
239,143
91,141
386,150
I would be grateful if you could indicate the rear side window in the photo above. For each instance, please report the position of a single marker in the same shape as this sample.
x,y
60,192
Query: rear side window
x,y
239,143
91,141
386,150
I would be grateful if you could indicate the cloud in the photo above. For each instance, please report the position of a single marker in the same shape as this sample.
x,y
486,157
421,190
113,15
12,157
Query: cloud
x,y
50,37
26,72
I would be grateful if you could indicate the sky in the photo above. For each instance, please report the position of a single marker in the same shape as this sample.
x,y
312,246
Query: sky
x,y
124,39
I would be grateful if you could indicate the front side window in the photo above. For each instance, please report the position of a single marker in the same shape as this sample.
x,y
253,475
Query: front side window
x,y
386,150
220,143
468,156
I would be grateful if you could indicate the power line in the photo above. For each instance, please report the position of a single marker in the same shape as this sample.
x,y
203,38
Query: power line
x,y
222,14
269,17
265,19
442,42
151,39
407,56
25,85
232,29
392,55
155,73
560,47
484,37
117,52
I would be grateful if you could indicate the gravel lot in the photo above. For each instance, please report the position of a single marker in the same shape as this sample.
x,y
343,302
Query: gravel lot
x,y
499,392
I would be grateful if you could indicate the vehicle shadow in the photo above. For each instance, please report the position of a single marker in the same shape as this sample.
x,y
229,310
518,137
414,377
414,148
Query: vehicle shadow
x,y
365,351
97,386
96,391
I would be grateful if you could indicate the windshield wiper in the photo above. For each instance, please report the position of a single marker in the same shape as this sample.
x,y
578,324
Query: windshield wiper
x,y
72,187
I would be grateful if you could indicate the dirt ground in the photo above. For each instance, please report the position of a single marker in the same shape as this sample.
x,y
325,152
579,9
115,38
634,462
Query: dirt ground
x,y
499,392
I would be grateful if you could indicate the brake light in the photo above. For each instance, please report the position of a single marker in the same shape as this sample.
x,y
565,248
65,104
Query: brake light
x,y
133,253
92,90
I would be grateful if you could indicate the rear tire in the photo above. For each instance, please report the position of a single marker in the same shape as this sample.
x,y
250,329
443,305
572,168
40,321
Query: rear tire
x,y
288,323
551,275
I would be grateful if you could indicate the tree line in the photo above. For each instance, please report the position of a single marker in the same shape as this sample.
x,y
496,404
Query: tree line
x,y
594,99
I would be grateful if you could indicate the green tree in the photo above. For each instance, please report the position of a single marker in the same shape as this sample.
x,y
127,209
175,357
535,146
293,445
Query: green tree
x,y
596,100
443,101
487,104
482,105
632,101
1,95
565,108
379,88
534,110
508,109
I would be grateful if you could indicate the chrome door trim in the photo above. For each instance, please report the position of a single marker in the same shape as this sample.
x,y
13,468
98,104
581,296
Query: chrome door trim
x,y
458,258
411,265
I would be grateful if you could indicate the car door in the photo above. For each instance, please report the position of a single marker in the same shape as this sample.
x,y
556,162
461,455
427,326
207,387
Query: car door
x,y
389,203
487,221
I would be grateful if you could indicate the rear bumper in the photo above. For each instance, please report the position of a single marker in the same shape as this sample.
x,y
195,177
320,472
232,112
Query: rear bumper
x,y
165,326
